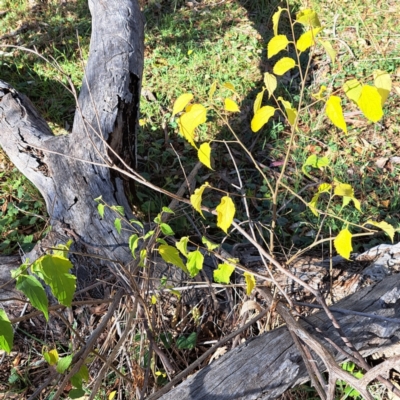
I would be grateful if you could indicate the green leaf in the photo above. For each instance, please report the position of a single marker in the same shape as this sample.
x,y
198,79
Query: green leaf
x,y
387,228
225,213
182,245
78,393
275,19
166,229
162,241
335,113
370,103
142,259
167,210
196,198
223,273
204,154
100,209
97,199
148,234
231,105
63,249
284,65
135,222
171,255
277,44
133,244
270,83
343,243
6,332
315,162
195,262
64,363
81,376
250,282
210,245
313,204
187,342
54,270
261,117
117,224
34,291
181,102
119,209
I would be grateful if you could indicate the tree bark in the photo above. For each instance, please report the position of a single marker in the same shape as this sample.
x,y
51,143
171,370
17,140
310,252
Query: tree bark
x,y
70,171
268,365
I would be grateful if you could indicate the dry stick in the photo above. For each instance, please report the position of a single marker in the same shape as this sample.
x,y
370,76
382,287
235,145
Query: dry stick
x,y
334,370
197,363
114,352
373,373
57,307
81,356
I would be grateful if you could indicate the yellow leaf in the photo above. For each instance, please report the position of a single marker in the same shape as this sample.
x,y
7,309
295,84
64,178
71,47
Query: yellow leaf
x,y
258,101
270,83
347,192
307,39
329,49
343,243
324,188
291,112
190,52
387,228
213,88
189,121
284,65
51,356
225,213
196,198
204,154
353,89
335,113
370,103
344,189
171,255
231,106
383,83
275,19
111,396
261,117
320,94
313,204
276,44
250,282
142,122
308,17
181,102
229,86
153,299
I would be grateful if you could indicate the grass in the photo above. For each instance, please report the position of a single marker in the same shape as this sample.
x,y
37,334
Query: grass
x,y
188,47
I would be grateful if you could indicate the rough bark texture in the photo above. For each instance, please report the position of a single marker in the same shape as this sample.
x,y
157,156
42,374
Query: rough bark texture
x,y
64,168
268,365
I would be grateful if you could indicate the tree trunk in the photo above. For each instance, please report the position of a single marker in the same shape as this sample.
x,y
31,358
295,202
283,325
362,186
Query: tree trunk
x,y
268,365
70,171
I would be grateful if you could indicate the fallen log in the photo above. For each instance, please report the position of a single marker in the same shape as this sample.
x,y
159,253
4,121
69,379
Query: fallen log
x,y
268,365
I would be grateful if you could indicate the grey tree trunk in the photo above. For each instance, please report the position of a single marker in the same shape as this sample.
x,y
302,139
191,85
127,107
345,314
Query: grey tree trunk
x,y
70,170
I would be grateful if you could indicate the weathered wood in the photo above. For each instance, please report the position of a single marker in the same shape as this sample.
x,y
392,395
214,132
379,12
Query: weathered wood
x,y
268,365
71,170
